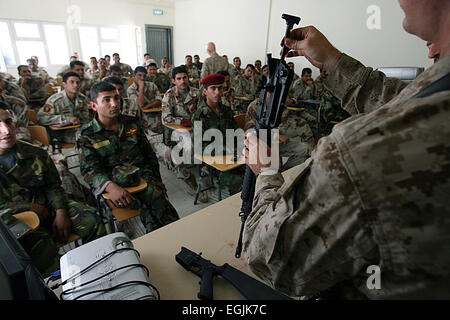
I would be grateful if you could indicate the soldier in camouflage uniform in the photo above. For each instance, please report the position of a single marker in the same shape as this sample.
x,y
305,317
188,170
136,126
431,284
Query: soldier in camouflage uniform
x,y
111,140
115,71
165,68
102,71
193,72
236,70
178,105
33,87
66,106
228,92
246,86
161,80
295,135
12,89
85,83
128,107
213,114
29,182
125,69
214,63
375,191
39,72
146,96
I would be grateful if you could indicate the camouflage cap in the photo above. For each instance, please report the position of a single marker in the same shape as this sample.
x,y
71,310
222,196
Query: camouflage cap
x,y
126,176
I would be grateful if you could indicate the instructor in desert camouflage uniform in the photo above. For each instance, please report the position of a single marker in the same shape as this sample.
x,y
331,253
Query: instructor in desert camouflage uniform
x,y
374,192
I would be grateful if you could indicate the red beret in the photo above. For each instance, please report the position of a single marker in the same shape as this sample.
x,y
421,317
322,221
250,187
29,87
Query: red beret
x,y
213,79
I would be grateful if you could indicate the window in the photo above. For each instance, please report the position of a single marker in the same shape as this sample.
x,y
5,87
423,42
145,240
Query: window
x,y
21,40
98,41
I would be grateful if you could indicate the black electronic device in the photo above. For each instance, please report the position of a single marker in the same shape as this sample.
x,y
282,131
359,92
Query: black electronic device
x,y
19,278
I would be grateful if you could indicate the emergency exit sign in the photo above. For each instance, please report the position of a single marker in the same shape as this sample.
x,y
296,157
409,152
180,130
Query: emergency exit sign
x,y
158,12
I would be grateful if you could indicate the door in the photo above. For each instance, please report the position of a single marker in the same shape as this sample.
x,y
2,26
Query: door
x,y
159,42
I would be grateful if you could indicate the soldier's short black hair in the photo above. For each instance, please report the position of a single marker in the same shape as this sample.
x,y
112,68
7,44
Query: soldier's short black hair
x,y
264,66
101,86
31,60
69,74
113,80
115,54
4,106
188,55
115,68
152,65
76,63
139,69
306,70
179,69
107,55
224,73
251,66
146,54
20,66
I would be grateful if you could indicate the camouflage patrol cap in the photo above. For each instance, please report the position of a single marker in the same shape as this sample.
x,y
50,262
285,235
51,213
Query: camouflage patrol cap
x,y
126,176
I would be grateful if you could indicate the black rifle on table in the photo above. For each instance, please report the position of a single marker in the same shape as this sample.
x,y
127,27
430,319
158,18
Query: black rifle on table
x,y
278,83
249,287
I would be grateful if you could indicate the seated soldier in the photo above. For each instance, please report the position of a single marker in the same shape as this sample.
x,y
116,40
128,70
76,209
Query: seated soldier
x,y
125,69
32,86
113,143
11,88
213,114
193,72
146,95
85,83
165,66
161,80
18,110
295,136
178,105
127,106
245,85
115,71
30,182
68,105
40,72
228,91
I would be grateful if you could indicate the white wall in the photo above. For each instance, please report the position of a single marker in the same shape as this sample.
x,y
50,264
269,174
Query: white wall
x,y
239,27
242,27
124,13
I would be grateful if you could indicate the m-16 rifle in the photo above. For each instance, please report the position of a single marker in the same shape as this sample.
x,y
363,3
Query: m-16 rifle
x,y
278,83
249,287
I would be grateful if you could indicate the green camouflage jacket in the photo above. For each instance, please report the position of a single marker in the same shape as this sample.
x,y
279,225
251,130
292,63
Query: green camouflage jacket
x,y
59,108
103,149
33,179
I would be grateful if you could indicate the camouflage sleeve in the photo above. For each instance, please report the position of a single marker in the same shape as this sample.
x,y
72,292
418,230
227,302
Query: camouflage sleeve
x,y
54,192
251,117
314,236
48,115
91,166
84,113
360,88
166,113
151,167
132,93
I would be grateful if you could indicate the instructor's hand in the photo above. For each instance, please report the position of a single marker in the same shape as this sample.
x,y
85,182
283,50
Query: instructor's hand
x,y
314,46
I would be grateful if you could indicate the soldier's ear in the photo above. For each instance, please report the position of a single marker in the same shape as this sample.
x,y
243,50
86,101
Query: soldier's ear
x,y
93,106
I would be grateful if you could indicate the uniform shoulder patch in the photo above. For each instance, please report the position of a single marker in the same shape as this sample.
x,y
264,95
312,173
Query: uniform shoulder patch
x,y
47,107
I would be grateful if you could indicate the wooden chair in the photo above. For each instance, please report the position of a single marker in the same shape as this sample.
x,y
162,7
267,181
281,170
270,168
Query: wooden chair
x,y
40,134
121,214
49,89
58,81
32,116
240,120
130,81
30,218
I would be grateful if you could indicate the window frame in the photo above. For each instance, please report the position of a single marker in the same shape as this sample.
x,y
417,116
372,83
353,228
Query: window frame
x,y
100,39
42,37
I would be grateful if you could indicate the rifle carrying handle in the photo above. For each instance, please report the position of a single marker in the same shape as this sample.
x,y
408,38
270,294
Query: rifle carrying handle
x,y
206,285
